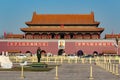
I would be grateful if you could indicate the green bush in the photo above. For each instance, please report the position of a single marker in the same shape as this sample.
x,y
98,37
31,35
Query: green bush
x,y
38,65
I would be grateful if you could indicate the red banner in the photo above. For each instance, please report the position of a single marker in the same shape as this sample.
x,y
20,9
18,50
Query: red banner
x,y
27,43
94,44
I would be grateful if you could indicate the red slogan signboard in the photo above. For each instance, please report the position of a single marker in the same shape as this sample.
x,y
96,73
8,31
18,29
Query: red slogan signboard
x,y
94,44
27,44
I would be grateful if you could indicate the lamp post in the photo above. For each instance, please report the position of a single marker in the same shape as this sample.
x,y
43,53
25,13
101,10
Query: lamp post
x,y
22,72
56,71
91,70
117,46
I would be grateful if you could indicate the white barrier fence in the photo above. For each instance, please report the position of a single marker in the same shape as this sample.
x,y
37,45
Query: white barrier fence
x,y
109,63
68,59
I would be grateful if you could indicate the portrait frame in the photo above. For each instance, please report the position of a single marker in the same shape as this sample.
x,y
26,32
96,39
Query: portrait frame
x,y
61,44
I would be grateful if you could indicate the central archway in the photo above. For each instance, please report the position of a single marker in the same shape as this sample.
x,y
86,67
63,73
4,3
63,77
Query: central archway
x,y
61,51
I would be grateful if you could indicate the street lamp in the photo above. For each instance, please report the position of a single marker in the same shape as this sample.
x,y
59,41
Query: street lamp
x,y
117,41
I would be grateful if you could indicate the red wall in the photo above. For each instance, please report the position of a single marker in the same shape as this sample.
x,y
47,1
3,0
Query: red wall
x,y
71,46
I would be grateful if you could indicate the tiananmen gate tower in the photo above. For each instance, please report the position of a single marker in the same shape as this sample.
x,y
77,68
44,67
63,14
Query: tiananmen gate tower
x,y
53,32
62,26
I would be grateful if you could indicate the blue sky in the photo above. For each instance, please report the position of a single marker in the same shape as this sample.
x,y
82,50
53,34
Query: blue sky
x,y
14,13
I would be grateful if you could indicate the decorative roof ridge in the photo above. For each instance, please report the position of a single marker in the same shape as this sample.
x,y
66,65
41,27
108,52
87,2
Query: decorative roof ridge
x,y
92,13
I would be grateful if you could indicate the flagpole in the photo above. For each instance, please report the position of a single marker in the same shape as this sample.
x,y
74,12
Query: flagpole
x,y
5,34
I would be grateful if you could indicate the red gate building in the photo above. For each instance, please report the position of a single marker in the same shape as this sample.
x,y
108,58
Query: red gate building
x,y
48,31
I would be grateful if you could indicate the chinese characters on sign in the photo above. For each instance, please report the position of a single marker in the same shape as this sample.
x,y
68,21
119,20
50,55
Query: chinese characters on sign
x,y
27,44
94,44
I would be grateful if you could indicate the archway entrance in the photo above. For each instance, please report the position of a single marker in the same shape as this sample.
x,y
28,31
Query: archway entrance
x,y
61,51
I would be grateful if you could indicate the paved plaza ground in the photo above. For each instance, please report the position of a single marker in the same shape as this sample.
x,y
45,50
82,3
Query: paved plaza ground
x,y
66,71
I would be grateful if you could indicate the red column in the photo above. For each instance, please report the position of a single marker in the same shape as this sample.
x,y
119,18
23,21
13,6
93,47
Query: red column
x,y
90,36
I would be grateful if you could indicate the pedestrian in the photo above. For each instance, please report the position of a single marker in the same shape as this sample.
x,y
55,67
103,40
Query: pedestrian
x,y
38,54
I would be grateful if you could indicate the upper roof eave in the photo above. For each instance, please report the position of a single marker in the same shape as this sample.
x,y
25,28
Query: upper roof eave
x,y
38,29
58,24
